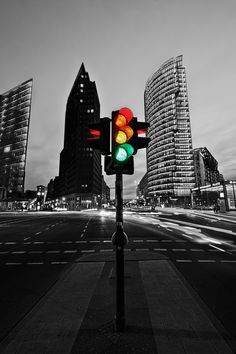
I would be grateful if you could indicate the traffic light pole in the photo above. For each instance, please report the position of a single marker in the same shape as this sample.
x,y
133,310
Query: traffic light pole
x,y
119,239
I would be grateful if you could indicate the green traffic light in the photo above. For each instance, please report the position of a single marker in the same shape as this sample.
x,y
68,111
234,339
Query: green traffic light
x,y
123,152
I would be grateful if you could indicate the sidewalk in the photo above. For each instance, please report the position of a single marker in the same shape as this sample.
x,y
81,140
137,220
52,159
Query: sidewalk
x,y
163,314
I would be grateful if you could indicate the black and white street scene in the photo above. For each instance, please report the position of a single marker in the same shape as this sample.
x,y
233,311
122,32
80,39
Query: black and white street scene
x,y
117,177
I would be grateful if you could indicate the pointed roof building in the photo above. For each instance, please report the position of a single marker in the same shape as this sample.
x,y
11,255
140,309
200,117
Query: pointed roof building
x,y
80,171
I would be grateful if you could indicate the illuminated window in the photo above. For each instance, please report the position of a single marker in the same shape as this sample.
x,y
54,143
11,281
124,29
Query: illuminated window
x,y
7,149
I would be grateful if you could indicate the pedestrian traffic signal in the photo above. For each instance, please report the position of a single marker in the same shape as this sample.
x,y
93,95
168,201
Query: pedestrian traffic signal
x,y
122,132
99,136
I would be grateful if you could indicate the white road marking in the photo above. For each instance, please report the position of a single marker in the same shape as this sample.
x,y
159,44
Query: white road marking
x,y
13,263
38,233
160,249
178,249
53,251
87,251
18,252
137,240
106,250
10,243
206,260
35,263
70,251
184,260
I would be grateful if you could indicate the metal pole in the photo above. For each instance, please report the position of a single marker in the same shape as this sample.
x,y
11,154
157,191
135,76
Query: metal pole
x,y
119,239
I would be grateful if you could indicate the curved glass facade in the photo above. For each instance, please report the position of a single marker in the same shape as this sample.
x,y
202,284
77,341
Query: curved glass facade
x,y
169,154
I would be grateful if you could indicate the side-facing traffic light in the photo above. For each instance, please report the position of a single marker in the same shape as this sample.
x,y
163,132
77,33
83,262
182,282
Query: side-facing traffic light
x,y
99,136
139,128
122,134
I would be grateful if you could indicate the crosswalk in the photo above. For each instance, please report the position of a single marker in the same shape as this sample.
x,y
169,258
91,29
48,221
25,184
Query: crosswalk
x,y
69,251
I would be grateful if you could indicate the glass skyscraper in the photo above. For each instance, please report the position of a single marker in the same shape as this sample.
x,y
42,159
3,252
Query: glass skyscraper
x,y
169,154
15,108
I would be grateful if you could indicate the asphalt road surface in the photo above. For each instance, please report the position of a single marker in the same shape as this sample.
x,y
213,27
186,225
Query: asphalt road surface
x,y
36,248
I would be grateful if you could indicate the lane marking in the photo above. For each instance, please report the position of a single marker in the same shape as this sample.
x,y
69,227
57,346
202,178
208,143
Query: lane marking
x,y
184,260
18,252
35,263
178,249
70,251
87,251
227,261
53,251
160,249
10,243
206,260
38,233
137,240
13,263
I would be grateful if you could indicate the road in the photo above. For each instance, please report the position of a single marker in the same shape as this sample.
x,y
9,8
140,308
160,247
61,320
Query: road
x,y
36,248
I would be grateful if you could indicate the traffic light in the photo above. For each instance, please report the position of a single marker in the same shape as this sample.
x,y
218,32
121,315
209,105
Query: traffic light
x,y
99,136
139,128
122,134
125,135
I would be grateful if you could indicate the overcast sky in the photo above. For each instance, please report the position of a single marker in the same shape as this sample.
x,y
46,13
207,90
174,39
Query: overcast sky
x,y
122,43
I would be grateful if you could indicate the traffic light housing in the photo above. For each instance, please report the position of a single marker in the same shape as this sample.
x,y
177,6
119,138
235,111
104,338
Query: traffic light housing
x,y
122,134
139,128
126,139
99,136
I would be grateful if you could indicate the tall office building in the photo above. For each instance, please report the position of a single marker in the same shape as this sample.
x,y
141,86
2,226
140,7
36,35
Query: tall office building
x,y
206,167
15,108
169,154
80,171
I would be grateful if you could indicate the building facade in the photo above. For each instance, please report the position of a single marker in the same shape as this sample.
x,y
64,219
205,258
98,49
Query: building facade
x,y
206,167
142,187
169,154
15,109
80,170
